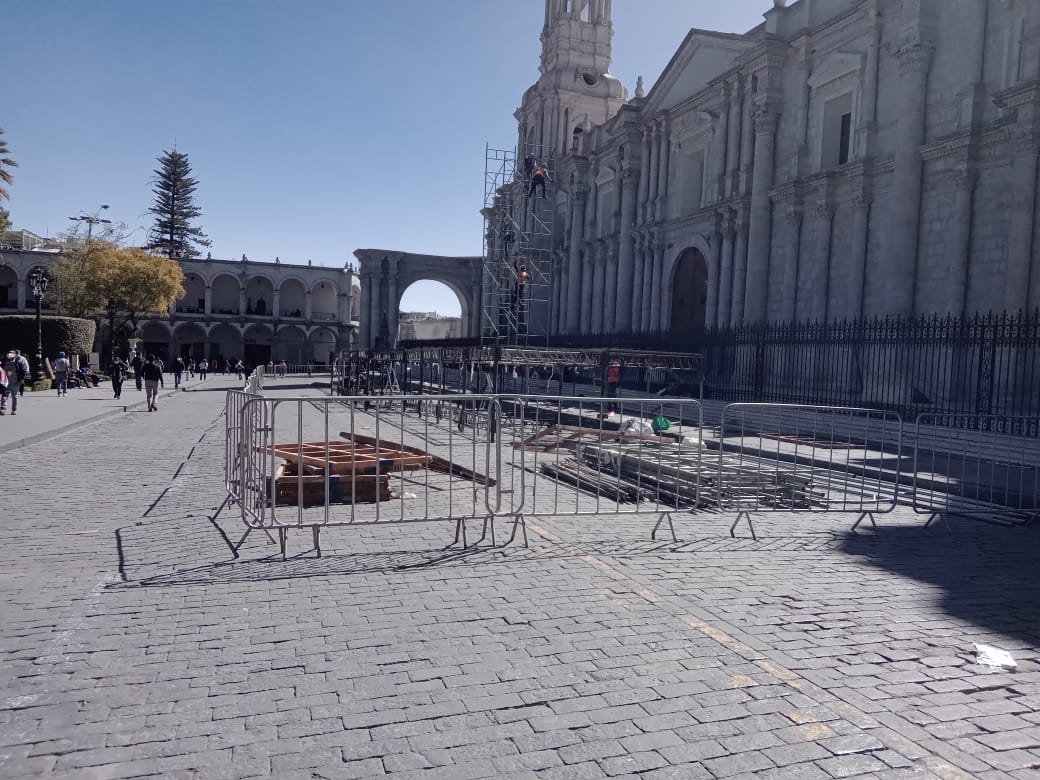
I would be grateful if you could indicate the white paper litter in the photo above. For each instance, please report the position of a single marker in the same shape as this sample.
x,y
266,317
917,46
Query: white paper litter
x,y
994,656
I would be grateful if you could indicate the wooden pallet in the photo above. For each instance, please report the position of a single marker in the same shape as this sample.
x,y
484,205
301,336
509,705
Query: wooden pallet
x,y
346,458
291,488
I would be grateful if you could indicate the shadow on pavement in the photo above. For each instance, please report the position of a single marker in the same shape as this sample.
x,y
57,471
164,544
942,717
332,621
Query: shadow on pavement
x,y
989,574
306,565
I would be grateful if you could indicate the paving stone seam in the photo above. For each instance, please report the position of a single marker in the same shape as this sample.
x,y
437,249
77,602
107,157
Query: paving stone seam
x,y
729,639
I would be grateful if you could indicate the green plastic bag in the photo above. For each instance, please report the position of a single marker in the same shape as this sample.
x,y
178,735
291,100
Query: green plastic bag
x,y
661,423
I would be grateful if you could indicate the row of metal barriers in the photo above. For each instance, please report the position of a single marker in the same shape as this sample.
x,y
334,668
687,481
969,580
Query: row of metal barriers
x,y
318,461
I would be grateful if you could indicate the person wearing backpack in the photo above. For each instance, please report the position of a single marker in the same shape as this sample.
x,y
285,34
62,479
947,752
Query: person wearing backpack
x,y
152,373
23,370
61,374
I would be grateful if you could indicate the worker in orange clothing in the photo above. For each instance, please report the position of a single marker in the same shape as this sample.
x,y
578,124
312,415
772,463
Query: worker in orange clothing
x,y
538,180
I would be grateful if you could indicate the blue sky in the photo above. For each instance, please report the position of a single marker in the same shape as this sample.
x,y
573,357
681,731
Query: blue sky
x,y
315,127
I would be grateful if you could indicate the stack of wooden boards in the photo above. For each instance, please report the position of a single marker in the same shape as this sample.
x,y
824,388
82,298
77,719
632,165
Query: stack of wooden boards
x,y
358,470
357,473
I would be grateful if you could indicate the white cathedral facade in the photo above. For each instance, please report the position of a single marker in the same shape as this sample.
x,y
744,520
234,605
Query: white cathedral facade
x,y
844,158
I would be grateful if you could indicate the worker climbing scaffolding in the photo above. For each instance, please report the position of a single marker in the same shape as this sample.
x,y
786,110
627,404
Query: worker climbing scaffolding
x,y
517,245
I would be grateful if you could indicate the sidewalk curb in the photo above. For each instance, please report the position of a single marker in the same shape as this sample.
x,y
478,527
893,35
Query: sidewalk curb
x,y
45,435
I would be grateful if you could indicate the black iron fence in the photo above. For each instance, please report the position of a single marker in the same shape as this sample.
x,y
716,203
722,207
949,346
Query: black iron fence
x,y
984,364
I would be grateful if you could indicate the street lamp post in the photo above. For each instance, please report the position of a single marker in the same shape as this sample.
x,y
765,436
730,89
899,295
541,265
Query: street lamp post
x,y
39,282
91,220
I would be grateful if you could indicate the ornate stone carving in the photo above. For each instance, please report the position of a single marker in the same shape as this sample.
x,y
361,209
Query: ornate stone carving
x,y
915,56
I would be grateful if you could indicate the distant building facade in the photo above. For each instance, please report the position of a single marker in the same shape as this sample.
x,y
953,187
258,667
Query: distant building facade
x,y
424,326
843,158
254,311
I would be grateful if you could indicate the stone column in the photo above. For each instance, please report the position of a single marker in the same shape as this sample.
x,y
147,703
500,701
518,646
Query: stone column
x,y
209,300
644,175
747,140
21,294
740,254
760,225
598,271
1022,213
802,165
960,239
276,311
307,305
656,304
822,275
733,145
587,281
792,249
721,146
626,261
868,103
647,264
371,310
711,313
898,264
860,249
663,156
654,166
475,319
241,299
391,304
579,194
611,289
726,266
638,283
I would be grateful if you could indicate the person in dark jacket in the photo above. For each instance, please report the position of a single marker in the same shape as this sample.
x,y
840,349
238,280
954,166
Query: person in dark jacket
x,y
153,378
118,371
136,364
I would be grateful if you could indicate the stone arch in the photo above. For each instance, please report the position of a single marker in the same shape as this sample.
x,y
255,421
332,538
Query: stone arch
x,y
257,343
190,340
688,292
225,294
386,275
8,288
291,345
194,299
155,339
324,300
323,344
225,341
259,291
292,297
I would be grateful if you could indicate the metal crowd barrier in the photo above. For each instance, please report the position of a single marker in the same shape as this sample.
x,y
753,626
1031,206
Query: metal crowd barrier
x,y
978,466
599,456
319,461
779,458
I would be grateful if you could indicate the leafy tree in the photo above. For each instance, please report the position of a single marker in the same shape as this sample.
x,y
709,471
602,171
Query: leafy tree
x,y
173,235
5,163
118,285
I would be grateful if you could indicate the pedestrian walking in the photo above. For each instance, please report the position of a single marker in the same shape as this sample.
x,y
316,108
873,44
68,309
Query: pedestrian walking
x,y
153,379
178,370
118,371
203,366
24,365
190,363
136,365
9,375
239,368
61,374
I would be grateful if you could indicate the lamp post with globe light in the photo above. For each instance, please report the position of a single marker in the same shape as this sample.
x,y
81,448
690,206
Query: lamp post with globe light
x,y
39,283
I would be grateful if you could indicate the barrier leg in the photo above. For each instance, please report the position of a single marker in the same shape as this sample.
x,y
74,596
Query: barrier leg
x,y
521,522
283,534
316,532
862,517
747,516
234,549
938,516
489,521
661,518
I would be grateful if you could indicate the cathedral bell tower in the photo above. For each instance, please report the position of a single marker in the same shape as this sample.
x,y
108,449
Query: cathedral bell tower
x,y
575,88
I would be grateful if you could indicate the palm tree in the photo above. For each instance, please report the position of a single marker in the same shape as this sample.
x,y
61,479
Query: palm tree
x,y
5,163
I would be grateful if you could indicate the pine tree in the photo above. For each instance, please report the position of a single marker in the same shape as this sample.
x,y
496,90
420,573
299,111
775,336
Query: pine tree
x,y
173,234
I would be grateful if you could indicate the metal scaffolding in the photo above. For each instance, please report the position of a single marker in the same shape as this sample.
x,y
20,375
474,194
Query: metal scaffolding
x,y
518,244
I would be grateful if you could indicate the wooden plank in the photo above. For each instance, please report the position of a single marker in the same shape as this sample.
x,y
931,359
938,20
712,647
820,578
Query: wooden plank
x,y
436,462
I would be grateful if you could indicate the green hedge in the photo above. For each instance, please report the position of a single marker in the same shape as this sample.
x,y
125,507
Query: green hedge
x,y
60,334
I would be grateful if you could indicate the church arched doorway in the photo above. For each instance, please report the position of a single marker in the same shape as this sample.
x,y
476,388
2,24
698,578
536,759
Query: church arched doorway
x,y
689,292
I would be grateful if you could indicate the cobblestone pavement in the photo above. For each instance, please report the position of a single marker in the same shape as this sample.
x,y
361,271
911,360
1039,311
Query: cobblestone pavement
x,y
132,645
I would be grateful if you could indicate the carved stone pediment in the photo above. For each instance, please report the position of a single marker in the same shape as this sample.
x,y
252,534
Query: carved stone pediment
x,y
834,67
